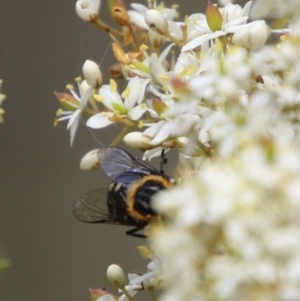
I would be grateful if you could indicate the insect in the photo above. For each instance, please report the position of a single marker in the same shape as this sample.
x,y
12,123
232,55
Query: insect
x,y
128,199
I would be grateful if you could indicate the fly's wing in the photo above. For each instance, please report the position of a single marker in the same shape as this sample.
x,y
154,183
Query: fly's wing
x,y
100,206
115,161
92,207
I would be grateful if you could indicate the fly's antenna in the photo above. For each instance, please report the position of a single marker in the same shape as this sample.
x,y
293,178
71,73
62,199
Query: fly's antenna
x,y
163,161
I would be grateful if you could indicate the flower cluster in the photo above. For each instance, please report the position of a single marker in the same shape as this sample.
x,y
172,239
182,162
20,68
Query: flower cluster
x,y
214,88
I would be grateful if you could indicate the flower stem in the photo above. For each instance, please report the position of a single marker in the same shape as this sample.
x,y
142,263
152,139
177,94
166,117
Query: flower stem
x,y
120,137
152,293
174,40
107,28
125,292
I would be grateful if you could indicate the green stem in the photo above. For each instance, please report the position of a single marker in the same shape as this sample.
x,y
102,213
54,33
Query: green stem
x,y
93,104
152,293
174,40
125,292
120,136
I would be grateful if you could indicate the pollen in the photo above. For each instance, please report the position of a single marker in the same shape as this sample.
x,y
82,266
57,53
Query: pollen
x,y
144,47
125,92
98,98
165,88
163,77
113,85
59,112
143,106
69,86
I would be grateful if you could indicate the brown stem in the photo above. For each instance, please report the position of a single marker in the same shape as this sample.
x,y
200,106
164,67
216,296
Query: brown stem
x,y
106,28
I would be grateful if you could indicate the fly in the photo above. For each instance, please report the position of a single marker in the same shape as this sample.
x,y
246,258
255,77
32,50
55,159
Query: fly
x,y
128,199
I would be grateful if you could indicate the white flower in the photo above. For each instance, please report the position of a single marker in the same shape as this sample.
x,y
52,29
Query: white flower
x,y
88,9
253,36
132,107
168,129
272,8
233,17
74,116
137,15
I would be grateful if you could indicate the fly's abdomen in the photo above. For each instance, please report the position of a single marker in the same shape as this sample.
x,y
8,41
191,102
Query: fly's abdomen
x,y
140,193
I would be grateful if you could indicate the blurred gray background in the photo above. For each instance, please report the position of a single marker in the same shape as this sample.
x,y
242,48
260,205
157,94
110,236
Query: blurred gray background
x,y
43,45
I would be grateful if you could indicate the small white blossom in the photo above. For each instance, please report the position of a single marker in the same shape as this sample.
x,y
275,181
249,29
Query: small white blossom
x,y
132,105
74,116
233,20
92,74
87,9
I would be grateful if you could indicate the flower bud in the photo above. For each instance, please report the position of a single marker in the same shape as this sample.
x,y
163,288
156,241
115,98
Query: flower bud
x,y
213,17
92,74
119,54
120,15
116,276
231,12
252,37
156,21
67,101
137,140
96,293
89,161
115,71
88,10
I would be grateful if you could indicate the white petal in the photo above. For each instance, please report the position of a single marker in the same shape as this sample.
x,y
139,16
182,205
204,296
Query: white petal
x,y
165,53
143,86
109,97
163,133
139,8
136,113
201,40
135,90
153,153
234,23
73,124
154,129
85,97
246,9
138,19
98,121
175,30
